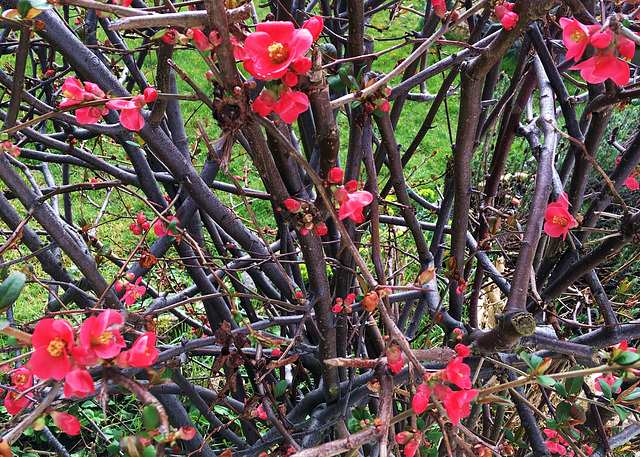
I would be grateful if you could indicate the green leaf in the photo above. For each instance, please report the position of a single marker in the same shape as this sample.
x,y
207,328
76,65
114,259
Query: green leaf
x,y
149,452
627,358
280,387
545,380
346,70
536,361
360,73
606,390
335,83
133,144
622,412
551,424
574,385
573,433
172,226
616,385
560,389
508,434
10,289
421,424
526,358
24,6
150,417
562,412
41,4
353,424
354,83
633,395
626,22
356,104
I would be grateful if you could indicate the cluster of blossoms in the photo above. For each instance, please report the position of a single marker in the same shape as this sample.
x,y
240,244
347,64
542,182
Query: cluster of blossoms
x,y
259,412
609,45
161,228
348,200
77,93
558,219
275,53
347,303
504,12
631,182
59,355
455,402
618,355
133,291
412,440
557,445
377,102
306,218
12,149
140,225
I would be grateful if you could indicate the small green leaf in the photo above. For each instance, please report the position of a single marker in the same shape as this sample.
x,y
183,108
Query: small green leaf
x,y
574,385
421,424
560,389
172,226
536,361
356,104
508,434
354,83
626,22
545,380
10,289
606,390
622,412
133,144
24,6
150,417
149,452
41,4
353,424
627,358
615,387
280,387
335,83
562,412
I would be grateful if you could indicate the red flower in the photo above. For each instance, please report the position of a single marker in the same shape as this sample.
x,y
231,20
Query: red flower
x,y
301,65
439,8
291,104
272,47
403,437
170,36
457,373
142,354
14,404
335,176
238,49
22,378
260,412
201,40
456,403
314,25
609,378
133,292
462,350
507,17
52,340
412,446
631,183
100,334
558,221
76,93
353,204
602,66
185,433
337,308
292,205
150,94
130,116
161,229
66,422
575,36
394,359
321,229
421,398
263,105
78,382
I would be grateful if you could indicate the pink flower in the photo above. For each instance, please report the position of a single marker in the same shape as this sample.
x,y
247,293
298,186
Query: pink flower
x,y
14,404
457,373
462,350
76,94
292,205
238,49
301,65
439,8
403,437
170,36
150,94
412,446
602,66
314,25
272,47
335,176
201,40
575,36
100,334
337,308
133,292
22,378
289,79
631,183
320,228
609,378
558,221
52,340
394,359
142,354
260,412
507,17
291,104
78,382
420,400
66,422
161,229
456,403
130,116
263,105
353,204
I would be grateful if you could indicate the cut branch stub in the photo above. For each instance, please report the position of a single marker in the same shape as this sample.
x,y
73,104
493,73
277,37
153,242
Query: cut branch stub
x,y
511,327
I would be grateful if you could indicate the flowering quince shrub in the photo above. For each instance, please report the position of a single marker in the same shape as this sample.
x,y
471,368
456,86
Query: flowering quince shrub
x,y
353,227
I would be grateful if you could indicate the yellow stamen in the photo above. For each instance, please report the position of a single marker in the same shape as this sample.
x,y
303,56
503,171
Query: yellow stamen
x,y
578,36
278,53
56,347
